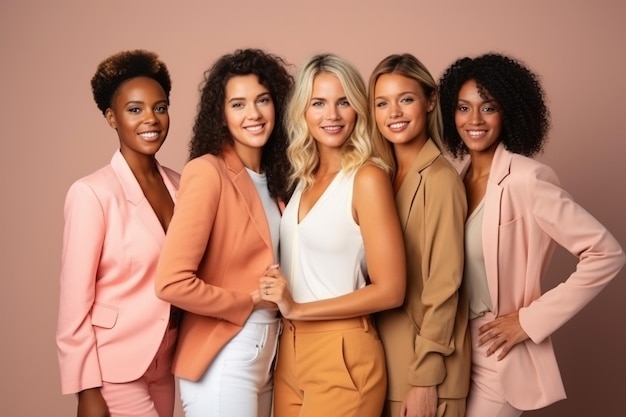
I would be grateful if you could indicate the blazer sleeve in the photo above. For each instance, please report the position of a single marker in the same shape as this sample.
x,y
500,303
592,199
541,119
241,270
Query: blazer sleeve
x,y
445,211
83,239
600,256
185,246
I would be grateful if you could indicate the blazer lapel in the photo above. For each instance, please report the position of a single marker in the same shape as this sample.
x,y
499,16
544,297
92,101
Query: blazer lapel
x,y
244,185
500,168
139,206
408,190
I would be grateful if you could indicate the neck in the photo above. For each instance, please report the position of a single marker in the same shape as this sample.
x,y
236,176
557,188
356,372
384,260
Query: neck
x,y
405,153
142,166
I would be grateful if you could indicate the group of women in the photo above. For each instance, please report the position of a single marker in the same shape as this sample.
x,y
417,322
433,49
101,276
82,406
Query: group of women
x,y
323,257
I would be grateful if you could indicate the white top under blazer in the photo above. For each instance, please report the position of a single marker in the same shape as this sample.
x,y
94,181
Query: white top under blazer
x,y
323,255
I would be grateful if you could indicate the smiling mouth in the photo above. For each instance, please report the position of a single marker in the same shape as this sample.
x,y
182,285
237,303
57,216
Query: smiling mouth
x,y
255,128
149,135
398,125
476,133
332,129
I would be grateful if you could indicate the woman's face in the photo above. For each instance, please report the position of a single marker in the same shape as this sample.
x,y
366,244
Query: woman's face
x,y
478,119
329,116
401,109
248,112
139,114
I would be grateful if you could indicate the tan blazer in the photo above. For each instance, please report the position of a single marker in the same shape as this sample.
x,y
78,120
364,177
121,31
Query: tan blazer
x,y
427,339
217,247
110,322
526,215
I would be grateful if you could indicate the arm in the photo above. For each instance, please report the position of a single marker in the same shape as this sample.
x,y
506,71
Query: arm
x,y
445,211
600,258
83,239
185,247
385,256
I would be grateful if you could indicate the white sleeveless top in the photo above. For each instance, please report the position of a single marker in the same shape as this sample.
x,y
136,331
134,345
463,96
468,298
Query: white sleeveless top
x,y
475,275
323,256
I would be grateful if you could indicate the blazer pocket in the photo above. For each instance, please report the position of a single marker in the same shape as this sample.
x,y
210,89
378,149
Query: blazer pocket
x,y
103,316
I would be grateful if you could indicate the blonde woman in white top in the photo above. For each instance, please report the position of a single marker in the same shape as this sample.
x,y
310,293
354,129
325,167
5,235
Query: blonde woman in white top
x,y
341,249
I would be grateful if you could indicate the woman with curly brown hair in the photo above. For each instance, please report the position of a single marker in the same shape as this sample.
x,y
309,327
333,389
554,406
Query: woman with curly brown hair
x,y
224,235
115,338
494,111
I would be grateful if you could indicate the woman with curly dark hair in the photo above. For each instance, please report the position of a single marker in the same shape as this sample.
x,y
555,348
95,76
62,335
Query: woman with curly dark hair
x,y
224,235
115,338
494,110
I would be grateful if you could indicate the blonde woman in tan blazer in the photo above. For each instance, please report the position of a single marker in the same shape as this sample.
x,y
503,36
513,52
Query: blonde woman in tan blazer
x,y
224,235
426,340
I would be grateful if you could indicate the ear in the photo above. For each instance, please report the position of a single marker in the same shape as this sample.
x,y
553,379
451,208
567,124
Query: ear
x,y
110,117
431,102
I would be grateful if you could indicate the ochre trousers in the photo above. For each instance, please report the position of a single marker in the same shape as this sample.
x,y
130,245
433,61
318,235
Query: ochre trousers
x,y
330,368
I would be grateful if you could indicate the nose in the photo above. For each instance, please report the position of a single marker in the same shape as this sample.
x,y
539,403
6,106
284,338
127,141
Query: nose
x,y
476,117
332,113
394,110
150,117
253,113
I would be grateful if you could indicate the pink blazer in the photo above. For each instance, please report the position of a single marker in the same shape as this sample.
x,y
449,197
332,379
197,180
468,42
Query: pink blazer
x,y
217,247
526,215
110,322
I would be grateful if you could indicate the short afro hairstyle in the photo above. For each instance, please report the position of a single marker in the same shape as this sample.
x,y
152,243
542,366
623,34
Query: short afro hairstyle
x,y
123,66
517,92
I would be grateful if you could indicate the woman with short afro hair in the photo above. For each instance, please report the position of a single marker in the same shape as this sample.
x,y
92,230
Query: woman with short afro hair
x,y
494,110
115,338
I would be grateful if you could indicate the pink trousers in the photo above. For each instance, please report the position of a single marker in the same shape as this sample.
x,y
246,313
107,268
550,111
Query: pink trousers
x,y
152,395
486,397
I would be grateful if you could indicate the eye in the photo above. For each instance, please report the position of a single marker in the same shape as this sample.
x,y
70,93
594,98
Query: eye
x,y
161,109
236,105
381,104
489,109
317,103
265,100
344,103
407,100
134,110
462,108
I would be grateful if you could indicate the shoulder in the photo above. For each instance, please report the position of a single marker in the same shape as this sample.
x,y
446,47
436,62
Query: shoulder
x,y
528,171
100,182
370,173
442,171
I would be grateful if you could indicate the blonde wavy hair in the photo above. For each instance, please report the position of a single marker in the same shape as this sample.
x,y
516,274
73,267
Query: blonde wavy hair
x,y
302,151
411,67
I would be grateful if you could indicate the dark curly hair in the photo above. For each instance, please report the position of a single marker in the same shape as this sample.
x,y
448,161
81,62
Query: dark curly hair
x,y
121,67
209,132
515,89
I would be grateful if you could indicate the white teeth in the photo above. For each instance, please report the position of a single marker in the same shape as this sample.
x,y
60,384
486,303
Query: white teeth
x,y
332,128
149,135
476,133
398,125
254,128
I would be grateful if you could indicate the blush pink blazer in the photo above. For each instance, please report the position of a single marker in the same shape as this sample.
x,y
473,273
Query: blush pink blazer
x,y
110,322
526,214
217,247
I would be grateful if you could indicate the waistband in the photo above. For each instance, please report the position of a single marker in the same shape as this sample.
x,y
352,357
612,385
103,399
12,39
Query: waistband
x,y
316,326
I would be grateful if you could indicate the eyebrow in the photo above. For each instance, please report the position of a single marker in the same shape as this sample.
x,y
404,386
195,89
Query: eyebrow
x,y
399,94
323,99
267,93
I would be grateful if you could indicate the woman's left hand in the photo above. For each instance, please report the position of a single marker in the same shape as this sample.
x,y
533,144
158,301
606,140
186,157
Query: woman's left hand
x,y
273,287
504,332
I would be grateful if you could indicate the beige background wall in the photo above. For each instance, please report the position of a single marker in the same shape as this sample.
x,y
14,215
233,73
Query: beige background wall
x,y
52,134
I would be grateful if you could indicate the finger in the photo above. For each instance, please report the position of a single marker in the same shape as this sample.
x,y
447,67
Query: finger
x,y
487,336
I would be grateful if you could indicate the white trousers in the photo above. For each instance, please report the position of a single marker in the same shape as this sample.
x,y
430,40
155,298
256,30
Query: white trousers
x,y
238,383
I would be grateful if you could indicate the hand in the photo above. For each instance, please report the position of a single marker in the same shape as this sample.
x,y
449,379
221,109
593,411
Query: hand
x,y
92,404
273,287
503,332
260,303
420,402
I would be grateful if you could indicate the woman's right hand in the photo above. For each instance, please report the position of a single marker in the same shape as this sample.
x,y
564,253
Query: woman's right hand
x,y
91,404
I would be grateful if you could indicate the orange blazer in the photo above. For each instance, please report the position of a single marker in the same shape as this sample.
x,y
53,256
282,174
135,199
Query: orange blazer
x,y
110,322
217,247
526,215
